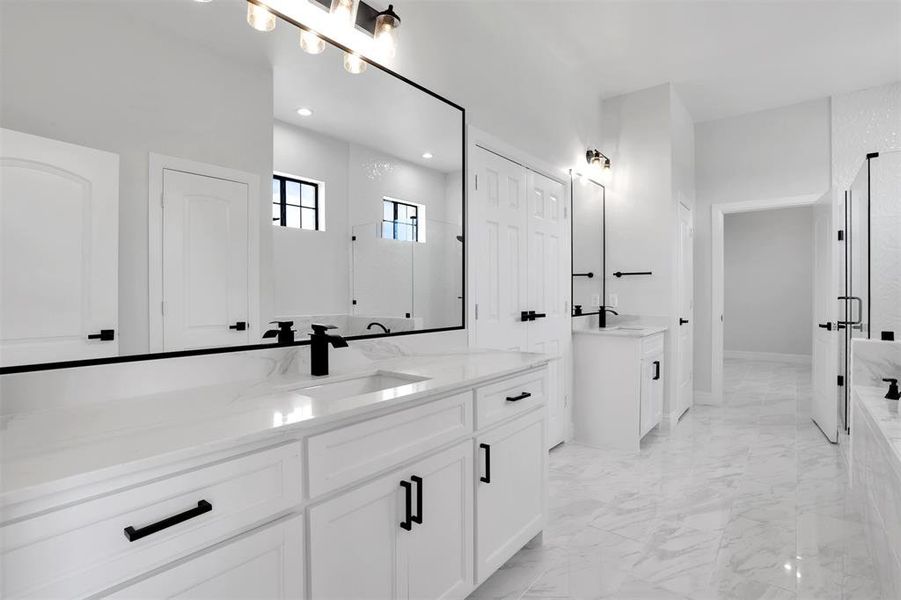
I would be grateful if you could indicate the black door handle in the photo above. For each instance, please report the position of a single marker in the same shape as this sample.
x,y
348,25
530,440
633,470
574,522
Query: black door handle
x,y
486,478
135,534
656,370
525,315
682,321
239,326
522,396
407,523
534,315
826,326
417,518
105,335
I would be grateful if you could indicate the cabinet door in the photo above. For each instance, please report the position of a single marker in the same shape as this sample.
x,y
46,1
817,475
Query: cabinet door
x,y
651,392
266,564
510,497
353,542
438,551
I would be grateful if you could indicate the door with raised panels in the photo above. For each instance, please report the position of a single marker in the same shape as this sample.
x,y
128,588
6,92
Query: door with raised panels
x,y
206,254
57,298
265,564
500,255
549,327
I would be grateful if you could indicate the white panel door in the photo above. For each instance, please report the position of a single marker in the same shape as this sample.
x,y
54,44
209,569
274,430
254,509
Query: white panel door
x,y
59,250
684,334
266,564
500,253
825,333
550,331
510,501
438,550
206,255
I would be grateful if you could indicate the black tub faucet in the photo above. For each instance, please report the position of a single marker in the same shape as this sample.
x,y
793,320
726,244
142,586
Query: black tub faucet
x,y
319,341
602,315
377,324
284,333
893,392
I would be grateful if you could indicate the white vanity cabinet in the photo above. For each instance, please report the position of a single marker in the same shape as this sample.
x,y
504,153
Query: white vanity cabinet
x,y
510,490
618,381
267,563
405,535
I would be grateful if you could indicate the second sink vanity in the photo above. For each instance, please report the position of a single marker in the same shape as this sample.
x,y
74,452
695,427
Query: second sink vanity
x,y
415,478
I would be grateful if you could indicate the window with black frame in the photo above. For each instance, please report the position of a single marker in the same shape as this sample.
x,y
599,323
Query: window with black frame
x,y
400,221
295,203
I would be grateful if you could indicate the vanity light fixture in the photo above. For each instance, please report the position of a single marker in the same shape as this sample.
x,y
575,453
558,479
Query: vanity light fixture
x,y
354,64
594,156
259,17
343,11
304,112
427,155
386,24
311,43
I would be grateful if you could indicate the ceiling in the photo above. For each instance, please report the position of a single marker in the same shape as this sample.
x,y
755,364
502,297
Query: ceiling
x,y
724,58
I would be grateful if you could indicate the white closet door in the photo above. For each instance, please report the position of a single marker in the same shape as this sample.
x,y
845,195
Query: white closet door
x,y
59,250
500,256
685,338
825,331
205,261
548,292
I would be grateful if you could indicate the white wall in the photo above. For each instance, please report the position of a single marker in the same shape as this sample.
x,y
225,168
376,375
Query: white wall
x,y
768,270
769,154
196,105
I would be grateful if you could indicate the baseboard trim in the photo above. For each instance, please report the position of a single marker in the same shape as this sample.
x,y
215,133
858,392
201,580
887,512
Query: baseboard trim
x,y
706,398
801,359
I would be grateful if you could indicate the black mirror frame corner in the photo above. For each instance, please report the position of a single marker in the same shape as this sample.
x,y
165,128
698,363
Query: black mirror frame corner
x,y
69,364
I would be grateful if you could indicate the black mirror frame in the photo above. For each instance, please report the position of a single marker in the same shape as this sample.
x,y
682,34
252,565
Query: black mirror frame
x,y
69,364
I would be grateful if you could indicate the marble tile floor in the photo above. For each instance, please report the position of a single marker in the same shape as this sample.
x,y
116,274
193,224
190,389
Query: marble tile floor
x,y
742,501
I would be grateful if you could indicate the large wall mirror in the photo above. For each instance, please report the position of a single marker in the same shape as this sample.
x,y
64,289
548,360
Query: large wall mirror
x,y
174,180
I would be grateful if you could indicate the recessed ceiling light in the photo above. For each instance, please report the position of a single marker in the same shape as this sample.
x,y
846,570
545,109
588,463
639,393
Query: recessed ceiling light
x,y
427,155
304,112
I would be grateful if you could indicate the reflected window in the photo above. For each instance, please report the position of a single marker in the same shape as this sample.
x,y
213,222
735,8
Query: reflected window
x,y
400,220
296,203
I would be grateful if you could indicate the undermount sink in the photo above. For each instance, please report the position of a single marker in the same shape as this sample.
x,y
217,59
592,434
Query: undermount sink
x,y
355,386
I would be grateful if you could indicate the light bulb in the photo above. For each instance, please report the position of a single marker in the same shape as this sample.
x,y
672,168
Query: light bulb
x,y
343,11
354,64
386,24
311,43
259,17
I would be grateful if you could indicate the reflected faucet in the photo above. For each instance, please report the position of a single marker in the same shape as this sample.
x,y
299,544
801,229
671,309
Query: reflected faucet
x,y
602,315
284,333
319,341
377,324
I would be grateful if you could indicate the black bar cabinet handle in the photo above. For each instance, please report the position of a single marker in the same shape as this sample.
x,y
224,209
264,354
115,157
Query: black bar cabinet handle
x,y
486,478
135,534
656,370
522,396
407,523
417,518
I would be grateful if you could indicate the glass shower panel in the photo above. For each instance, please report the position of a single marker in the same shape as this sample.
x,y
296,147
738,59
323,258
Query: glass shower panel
x,y
884,309
382,275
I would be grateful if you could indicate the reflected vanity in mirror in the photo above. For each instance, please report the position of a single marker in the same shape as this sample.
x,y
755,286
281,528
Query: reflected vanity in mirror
x,y
164,191
589,230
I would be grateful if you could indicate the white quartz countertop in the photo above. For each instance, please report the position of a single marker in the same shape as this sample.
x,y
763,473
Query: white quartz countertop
x,y
622,331
884,413
52,449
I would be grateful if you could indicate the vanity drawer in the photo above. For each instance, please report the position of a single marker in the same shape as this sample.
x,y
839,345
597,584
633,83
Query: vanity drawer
x,y
504,399
348,454
82,549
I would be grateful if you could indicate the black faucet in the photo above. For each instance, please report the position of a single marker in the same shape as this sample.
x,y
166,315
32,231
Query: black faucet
x,y
602,315
893,392
285,333
319,341
377,324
